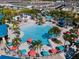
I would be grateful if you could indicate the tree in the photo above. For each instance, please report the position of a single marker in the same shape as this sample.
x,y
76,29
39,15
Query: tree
x,y
54,30
16,41
30,11
55,40
9,13
70,37
37,44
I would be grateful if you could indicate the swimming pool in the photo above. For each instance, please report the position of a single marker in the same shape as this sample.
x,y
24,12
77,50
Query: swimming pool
x,y
36,32
48,17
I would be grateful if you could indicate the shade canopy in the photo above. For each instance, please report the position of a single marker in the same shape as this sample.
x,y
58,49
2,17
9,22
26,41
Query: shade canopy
x,y
29,40
61,48
32,53
44,53
3,30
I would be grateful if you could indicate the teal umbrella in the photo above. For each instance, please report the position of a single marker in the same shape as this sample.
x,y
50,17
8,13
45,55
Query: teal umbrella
x,y
23,51
75,35
77,42
44,53
9,44
61,48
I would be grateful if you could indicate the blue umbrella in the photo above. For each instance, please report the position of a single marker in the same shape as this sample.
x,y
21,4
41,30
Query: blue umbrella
x,y
45,53
61,22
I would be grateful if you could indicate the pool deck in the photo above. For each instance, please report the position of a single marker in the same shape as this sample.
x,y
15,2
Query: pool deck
x,y
31,22
53,56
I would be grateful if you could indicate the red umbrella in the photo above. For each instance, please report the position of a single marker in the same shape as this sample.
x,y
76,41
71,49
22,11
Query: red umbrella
x,y
75,39
77,33
53,51
32,53
29,40
14,47
68,32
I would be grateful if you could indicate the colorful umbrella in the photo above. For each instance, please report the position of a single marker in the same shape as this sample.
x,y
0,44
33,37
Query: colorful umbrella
x,y
14,47
23,51
68,32
9,44
32,53
44,53
29,40
78,33
77,42
61,48
75,39
75,35
53,51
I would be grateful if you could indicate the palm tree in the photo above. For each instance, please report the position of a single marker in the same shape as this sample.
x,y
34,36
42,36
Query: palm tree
x,y
54,30
16,41
55,40
70,37
30,11
37,44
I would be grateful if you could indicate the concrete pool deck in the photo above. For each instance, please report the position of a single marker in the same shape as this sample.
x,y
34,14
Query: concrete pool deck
x,y
31,22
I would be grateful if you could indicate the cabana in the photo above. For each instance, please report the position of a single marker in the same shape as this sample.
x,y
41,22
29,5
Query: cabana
x,y
60,48
45,53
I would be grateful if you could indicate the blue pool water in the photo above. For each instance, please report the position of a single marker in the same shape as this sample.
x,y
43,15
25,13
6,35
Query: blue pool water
x,y
36,32
1,16
49,17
